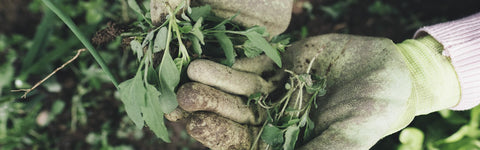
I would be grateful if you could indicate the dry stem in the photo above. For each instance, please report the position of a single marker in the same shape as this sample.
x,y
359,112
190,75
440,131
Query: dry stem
x,y
44,79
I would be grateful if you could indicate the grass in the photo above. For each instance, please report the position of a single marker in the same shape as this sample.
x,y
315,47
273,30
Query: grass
x,y
82,39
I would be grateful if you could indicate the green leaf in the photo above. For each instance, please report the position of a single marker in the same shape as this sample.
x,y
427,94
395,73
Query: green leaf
x,y
168,99
148,55
153,115
308,133
148,38
316,84
199,12
289,123
291,136
197,31
169,79
411,139
305,78
57,107
221,26
261,43
281,39
179,7
132,93
197,48
227,47
137,49
255,96
82,39
160,40
133,4
189,9
4,112
288,86
178,63
313,88
259,29
272,135
280,42
184,17
152,76
251,50
467,143
7,70
186,28
303,120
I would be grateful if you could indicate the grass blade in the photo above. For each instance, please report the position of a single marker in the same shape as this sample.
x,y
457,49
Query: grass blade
x,y
82,39
44,30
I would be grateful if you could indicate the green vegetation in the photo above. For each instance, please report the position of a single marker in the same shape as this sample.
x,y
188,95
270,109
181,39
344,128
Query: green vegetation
x,y
289,116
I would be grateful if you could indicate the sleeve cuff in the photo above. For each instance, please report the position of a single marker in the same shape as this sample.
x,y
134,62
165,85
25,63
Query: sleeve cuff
x,y
461,42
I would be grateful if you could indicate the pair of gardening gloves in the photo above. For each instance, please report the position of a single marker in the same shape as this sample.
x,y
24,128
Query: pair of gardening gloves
x,y
374,86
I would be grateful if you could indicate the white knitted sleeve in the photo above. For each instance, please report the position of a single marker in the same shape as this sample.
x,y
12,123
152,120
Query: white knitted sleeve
x,y
461,42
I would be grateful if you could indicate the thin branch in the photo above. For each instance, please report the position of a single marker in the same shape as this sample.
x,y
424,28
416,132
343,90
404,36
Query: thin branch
x,y
44,79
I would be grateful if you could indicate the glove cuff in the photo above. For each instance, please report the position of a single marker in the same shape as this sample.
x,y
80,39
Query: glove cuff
x,y
434,82
461,41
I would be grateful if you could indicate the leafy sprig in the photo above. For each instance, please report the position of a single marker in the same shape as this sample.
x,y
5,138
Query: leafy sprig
x,y
151,92
289,116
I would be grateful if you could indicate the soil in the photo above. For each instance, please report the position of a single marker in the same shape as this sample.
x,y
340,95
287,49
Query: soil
x,y
16,18
407,16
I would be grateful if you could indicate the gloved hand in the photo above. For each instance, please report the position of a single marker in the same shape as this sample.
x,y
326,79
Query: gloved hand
x,y
374,88
219,116
273,14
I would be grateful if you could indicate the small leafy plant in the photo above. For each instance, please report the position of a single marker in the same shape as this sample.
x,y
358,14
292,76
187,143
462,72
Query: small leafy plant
x,y
289,116
196,34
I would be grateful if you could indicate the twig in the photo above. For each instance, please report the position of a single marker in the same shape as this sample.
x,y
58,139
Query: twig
x,y
254,145
44,79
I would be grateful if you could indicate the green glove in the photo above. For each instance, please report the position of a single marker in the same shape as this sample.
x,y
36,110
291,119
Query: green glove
x,y
374,88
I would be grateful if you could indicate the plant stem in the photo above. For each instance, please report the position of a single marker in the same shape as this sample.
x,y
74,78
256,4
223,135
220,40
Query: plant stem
x,y
82,39
126,34
181,47
254,145
225,31
48,76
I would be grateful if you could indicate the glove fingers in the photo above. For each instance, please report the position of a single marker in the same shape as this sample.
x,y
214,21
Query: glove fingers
x,y
274,15
228,79
217,132
199,97
177,114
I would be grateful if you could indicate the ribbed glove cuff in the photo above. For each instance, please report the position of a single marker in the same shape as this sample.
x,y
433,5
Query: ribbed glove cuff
x,y
461,42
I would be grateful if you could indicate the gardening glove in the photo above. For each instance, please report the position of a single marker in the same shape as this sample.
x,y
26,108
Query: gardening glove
x,y
273,14
374,88
218,115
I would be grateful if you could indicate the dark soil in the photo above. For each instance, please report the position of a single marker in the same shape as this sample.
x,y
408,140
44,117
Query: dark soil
x,y
399,24
16,18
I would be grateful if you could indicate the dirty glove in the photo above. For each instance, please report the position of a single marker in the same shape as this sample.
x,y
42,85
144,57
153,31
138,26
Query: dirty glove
x,y
218,115
273,14
374,88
